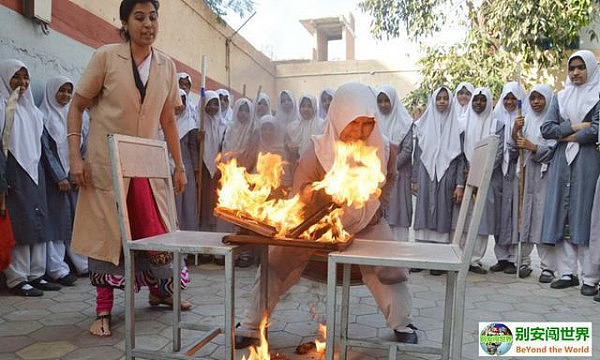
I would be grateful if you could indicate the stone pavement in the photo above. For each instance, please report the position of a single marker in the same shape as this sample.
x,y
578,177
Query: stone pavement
x,y
56,325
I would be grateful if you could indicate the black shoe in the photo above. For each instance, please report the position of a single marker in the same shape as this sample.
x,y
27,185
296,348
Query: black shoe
x,y
510,269
564,283
406,337
477,269
500,266
437,272
25,289
415,270
45,285
589,290
67,280
546,276
242,342
524,271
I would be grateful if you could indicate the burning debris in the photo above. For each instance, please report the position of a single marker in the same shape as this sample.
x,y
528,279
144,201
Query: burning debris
x,y
255,201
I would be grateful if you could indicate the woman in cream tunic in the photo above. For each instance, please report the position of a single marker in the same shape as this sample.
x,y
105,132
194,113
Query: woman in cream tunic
x,y
129,88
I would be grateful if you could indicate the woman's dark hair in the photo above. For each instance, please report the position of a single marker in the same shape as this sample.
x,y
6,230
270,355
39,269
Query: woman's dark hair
x,y
125,10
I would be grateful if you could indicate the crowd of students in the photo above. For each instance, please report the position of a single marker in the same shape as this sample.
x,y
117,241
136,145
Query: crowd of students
x,y
548,139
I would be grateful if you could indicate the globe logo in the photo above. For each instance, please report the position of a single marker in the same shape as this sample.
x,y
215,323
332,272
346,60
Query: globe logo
x,y
496,339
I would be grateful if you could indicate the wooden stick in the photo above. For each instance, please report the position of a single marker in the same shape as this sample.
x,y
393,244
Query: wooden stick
x,y
244,90
201,137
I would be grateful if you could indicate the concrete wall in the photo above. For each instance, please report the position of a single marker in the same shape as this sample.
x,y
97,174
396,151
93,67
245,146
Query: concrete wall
x,y
312,77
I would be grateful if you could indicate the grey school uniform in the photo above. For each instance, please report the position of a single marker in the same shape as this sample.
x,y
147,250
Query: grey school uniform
x,y
187,202
400,207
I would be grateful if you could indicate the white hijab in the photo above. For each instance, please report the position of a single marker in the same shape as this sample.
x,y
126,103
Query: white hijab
x,y
227,112
190,103
458,109
397,123
186,121
322,110
55,118
284,118
273,146
265,97
439,137
239,134
214,127
478,126
502,116
25,142
300,130
534,120
574,102
352,100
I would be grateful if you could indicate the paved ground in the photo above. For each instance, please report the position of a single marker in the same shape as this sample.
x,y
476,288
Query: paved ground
x,y
55,326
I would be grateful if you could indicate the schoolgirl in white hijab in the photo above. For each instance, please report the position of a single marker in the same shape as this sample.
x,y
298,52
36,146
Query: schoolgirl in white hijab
x,y
575,101
438,134
214,128
287,109
28,125
55,118
396,124
503,116
182,85
534,120
238,137
226,111
325,99
300,130
478,126
262,106
186,121
459,108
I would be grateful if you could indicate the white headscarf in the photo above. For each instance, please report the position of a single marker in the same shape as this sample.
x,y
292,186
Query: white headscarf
x,y
25,140
534,120
397,123
458,109
55,118
239,134
322,110
186,121
300,130
502,116
286,118
574,102
352,100
214,127
478,126
183,75
439,137
227,112
265,97
273,146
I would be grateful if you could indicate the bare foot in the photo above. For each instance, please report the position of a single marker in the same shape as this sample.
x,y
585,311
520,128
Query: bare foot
x,y
101,326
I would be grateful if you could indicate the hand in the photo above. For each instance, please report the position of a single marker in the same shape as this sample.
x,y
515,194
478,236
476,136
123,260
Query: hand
x,y
519,122
179,181
64,185
414,188
2,204
581,126
524,143
598,146
79,172
306,194
457,196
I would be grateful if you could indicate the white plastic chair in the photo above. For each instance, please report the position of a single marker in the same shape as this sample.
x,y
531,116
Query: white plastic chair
x,y
132,157
450,257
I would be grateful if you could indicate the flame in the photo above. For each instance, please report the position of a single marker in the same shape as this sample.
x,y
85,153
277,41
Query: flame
x,y
262,351
353,179
321,344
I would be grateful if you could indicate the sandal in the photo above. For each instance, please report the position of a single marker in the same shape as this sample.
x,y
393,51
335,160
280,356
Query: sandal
x,y
154,300
101,326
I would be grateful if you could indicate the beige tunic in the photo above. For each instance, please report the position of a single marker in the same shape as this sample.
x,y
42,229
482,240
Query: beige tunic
x,y
116,109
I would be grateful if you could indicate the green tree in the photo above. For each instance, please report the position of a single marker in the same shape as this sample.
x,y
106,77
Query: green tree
x,y
504,38
220,7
